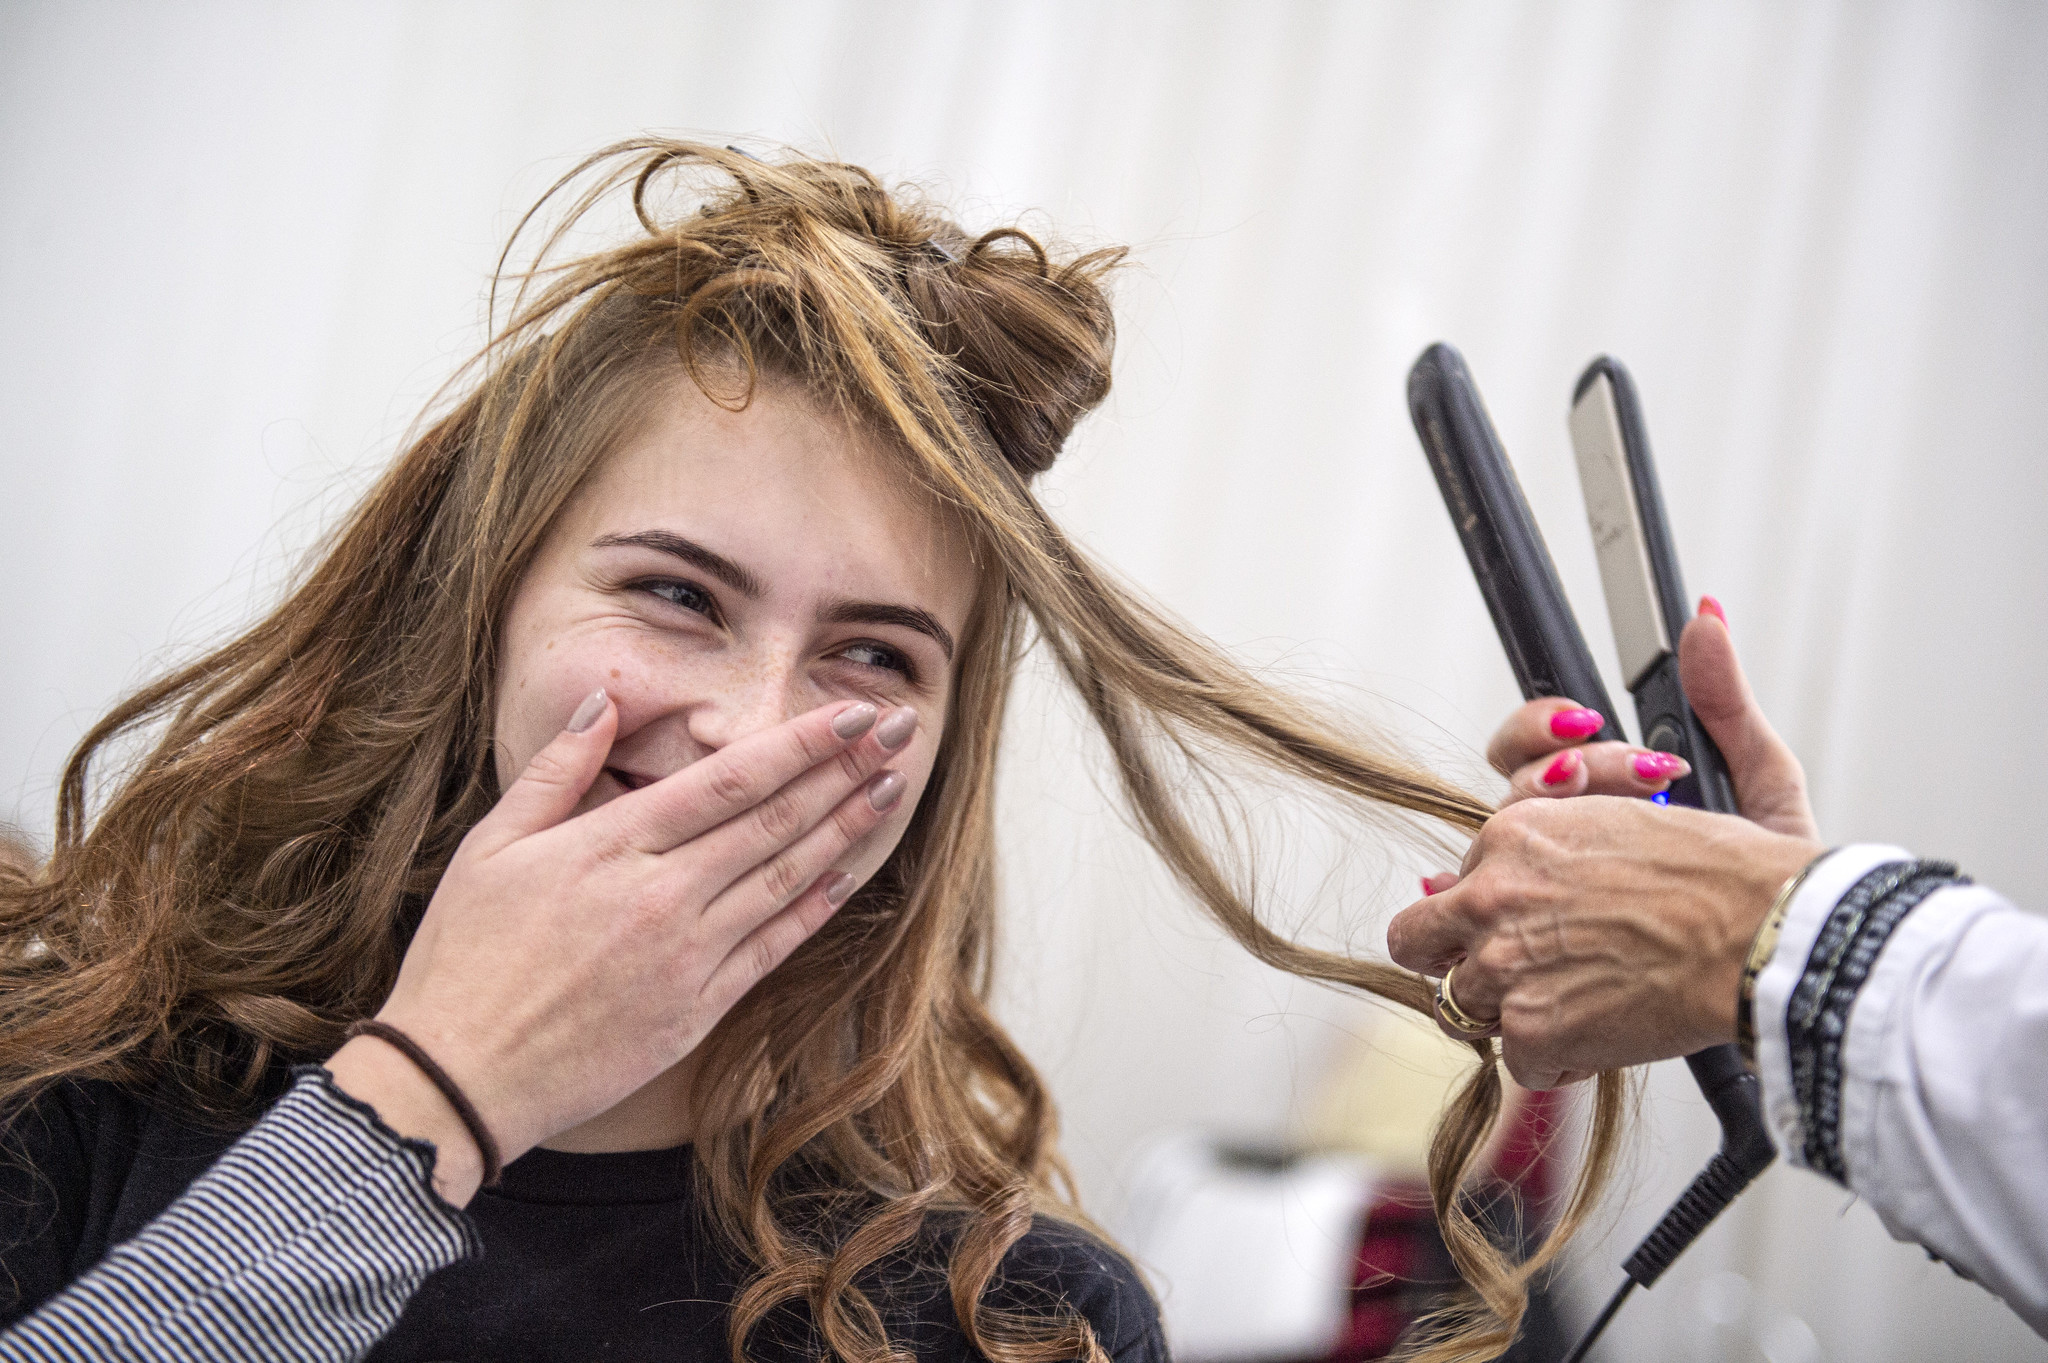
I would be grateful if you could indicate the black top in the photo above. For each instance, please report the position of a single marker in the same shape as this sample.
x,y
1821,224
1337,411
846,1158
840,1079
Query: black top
x,y
585,1256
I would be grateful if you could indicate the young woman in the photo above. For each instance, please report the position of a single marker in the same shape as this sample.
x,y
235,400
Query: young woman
x,y
628,757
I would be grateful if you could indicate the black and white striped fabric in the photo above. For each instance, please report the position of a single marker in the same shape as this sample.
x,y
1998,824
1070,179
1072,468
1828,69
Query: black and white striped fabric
x,y
302,1243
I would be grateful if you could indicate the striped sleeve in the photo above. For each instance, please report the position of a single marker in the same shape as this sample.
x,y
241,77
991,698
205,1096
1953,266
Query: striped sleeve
x,y
302,1243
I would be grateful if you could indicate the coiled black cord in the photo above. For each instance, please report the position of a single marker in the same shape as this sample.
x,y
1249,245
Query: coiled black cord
x,y
1746,1151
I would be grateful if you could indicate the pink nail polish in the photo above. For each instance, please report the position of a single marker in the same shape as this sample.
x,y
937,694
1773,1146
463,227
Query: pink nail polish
x,y
1709,606
1659,766
1576,723
1563,769
1427,888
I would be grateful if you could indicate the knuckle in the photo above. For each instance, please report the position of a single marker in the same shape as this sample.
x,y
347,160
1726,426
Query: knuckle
x,y
731,783
1498,957
779,817
546,768
1510,833
684,887
1511,823
760,956
852,819
815,742
649,905
783,877
1482,898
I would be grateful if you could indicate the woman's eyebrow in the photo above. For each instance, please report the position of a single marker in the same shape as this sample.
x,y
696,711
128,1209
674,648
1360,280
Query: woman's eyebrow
x,y
882,613
690,552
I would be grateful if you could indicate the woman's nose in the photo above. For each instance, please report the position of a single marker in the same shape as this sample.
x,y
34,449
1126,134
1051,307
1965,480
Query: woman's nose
x,y
755,696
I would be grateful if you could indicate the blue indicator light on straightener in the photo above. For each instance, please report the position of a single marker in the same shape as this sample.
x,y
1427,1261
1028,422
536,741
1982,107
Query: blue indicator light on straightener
x,y
1662,797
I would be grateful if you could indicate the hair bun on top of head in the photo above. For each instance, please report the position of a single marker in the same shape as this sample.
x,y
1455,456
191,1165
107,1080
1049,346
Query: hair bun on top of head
x,y
1031,338
809,265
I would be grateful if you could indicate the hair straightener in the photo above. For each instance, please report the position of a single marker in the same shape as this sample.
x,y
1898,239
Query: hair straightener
x,y
1647,603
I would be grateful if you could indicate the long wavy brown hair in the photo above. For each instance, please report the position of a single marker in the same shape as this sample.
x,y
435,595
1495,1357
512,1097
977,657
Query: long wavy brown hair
x,y
254,870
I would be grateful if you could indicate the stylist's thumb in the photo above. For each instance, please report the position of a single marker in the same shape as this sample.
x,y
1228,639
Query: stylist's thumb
x,y
1770,786
555,780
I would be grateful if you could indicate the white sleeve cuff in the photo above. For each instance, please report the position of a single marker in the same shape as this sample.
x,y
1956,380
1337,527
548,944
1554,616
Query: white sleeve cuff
x,y
1804,918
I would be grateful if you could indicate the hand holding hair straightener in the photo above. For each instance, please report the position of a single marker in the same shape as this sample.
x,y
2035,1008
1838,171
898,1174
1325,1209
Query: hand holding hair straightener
x,y
1896,1014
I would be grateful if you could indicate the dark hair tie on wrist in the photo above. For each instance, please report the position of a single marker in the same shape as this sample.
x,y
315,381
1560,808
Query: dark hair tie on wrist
x,y
471,1118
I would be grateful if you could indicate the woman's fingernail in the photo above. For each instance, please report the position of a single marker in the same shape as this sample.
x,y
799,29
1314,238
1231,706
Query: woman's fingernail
x,y
1562,769
1659,766
885,790
1709,606
839,889
896,728
1576,723
587,713
1427,888
854,720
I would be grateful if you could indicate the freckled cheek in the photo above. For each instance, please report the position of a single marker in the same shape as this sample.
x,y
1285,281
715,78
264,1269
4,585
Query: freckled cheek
x,y
544,687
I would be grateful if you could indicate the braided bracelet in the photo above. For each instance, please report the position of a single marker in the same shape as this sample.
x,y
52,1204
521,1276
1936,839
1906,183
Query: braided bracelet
x,y
457,1099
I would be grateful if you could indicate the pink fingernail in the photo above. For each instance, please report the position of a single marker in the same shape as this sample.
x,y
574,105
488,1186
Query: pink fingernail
x,y
1659,766
1563,769
885,790
587,713
1709,606
839,889
1576,723
1427,888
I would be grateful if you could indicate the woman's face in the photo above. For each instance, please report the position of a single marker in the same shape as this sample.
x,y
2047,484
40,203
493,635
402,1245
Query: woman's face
x,y
722,572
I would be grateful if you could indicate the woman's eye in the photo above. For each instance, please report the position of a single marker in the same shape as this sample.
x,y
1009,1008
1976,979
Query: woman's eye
x,y
685,594
877,655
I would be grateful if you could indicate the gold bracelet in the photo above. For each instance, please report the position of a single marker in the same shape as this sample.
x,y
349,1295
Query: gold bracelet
x,y
1761,948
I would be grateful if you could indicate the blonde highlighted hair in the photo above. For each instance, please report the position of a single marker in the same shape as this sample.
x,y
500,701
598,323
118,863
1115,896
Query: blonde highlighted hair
x,y
248,885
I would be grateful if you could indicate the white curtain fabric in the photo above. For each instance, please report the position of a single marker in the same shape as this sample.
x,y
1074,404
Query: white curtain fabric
x,y
239,245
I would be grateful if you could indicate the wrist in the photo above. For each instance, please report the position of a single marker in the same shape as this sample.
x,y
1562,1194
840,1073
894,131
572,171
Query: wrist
x,y
1760,870
372,1072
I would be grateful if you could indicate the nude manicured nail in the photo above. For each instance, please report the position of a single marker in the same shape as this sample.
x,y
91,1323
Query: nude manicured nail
x,y
839,888
896,728
1563,769
1576,723
854,720
1659,766
587,713
885,790
1709,606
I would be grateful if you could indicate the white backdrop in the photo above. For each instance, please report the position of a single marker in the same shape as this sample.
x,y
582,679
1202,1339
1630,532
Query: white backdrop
x,y
240,244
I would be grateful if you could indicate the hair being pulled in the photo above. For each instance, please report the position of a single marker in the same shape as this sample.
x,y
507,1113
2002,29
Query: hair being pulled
x,y
250,881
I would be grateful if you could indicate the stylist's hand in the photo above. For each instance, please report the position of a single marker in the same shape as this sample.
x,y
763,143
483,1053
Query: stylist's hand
x,y
1601,932
1542,748
565,962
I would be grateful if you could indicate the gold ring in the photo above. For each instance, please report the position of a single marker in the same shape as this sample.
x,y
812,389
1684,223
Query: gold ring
x,y
1456,1018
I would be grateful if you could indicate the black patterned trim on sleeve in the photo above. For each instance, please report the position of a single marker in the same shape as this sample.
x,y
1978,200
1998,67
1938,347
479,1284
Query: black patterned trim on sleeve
x,y
1817,1017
